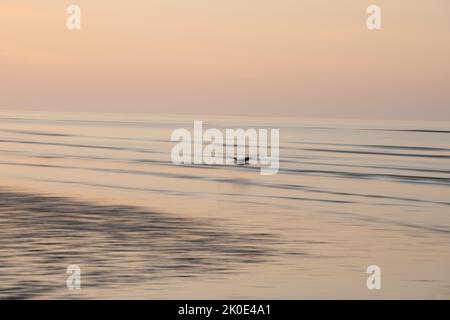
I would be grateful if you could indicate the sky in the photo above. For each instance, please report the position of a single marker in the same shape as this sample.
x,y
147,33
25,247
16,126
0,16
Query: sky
x,y
286,58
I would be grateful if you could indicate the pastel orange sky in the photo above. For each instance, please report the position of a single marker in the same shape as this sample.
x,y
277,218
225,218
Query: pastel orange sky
x,y
312,58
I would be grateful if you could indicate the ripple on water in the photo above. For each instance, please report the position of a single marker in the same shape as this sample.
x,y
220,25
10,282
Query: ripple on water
x,y
118,245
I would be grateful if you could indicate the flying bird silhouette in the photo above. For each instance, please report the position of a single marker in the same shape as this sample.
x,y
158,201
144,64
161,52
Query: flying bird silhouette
x,y
241,161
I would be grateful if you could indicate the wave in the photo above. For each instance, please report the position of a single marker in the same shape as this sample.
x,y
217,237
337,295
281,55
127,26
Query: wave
x,y
125,244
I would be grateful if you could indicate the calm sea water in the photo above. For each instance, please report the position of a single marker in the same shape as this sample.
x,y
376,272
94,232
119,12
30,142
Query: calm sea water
x,y
101,192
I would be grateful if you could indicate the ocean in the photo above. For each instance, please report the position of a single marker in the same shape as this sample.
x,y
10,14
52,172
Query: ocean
x,y
100,191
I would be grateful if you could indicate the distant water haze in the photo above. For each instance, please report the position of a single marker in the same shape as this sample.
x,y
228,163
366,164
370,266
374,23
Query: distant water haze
x,y
100,191
271,58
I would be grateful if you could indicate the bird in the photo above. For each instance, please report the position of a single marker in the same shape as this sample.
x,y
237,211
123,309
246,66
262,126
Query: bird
x,y
241,161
